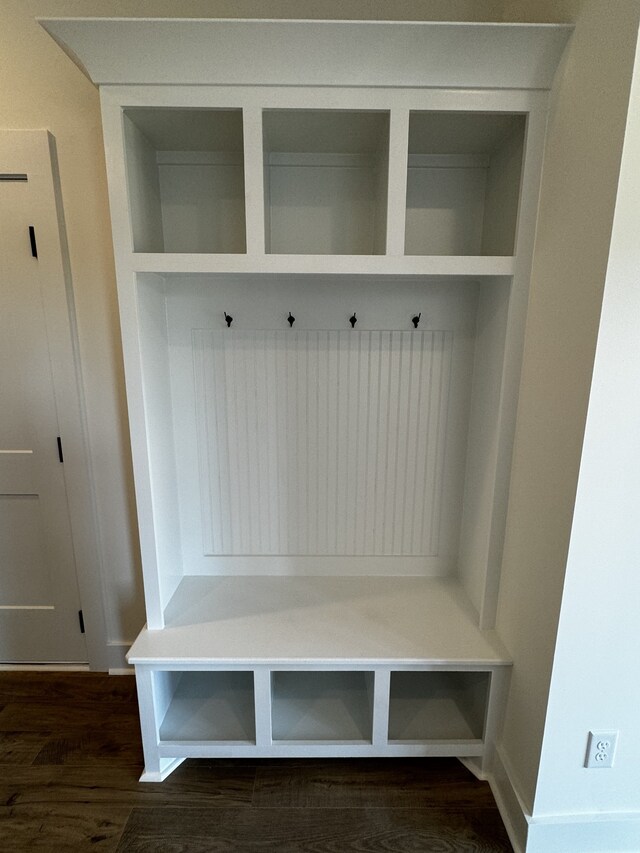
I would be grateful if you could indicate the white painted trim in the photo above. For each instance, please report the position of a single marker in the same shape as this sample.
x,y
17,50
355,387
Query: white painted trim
x,y
168,765
362,265
318,53
79,475
44,667
117,656
316,749
513,349
613,832
323,97
397,182
509,802
474,766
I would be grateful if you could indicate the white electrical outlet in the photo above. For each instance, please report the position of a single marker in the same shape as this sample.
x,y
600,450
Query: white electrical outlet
x,y
601,749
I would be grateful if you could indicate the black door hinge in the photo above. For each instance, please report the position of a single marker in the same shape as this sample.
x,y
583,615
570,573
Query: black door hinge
x,y
81,620
32,240
60,456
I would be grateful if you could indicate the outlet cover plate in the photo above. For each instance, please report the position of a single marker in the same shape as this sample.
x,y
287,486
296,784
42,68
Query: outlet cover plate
x,y
601,749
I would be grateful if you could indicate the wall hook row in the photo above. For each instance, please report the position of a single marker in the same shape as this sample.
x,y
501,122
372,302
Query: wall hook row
x,y
353,319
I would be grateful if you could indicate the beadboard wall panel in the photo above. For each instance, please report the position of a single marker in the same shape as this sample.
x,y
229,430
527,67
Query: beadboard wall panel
x,y
321,443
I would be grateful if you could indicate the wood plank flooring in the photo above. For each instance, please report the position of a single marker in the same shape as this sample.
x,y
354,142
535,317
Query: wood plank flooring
x,y
70,758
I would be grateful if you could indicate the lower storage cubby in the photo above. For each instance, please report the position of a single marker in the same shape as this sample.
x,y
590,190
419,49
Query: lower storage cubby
x,y
206,706
276,711
438,706
322,706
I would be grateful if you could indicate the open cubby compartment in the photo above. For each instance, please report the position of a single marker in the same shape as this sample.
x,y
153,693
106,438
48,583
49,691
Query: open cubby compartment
x,y
185,175
318,451
326,175
205,706
319,706
463,183
438,705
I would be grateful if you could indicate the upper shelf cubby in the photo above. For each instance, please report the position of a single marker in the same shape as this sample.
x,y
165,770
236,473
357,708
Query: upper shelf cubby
x,y
326,174
185,175
463,183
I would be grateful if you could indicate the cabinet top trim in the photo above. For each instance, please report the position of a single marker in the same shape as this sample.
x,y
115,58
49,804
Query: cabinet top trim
x,y
139,51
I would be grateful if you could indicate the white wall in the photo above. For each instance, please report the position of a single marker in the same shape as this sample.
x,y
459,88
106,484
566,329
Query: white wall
x,y
586,130
41,87
596,671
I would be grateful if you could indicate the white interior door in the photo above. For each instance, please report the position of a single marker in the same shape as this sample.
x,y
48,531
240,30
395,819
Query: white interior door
x,y
39,599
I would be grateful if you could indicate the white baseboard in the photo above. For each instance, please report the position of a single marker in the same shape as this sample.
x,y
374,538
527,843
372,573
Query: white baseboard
x,y
509,802
613,832
44,667
474,765
116,657
167,766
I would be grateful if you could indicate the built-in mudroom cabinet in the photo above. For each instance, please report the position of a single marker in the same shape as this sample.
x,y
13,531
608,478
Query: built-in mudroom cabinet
x,y
323,234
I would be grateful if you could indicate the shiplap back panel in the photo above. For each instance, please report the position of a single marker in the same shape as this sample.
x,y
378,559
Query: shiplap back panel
x,y
321,442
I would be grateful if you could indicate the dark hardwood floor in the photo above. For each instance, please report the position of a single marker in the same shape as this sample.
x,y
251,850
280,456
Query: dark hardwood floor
x,y
70,758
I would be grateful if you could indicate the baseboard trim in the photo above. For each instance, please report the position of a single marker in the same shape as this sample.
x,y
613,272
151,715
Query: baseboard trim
x,y
612,832
474,765
585,833
44,667
117,657
167,766
509,802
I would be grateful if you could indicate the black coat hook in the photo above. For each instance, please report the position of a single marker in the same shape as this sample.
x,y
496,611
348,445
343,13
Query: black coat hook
x,y
353,320
415,320
228,319
291,319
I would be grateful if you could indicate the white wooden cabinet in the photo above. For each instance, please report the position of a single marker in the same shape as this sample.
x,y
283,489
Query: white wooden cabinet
x,y
321,506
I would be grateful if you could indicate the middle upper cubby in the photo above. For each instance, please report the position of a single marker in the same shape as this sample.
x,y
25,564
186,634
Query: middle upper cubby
x,y
325,180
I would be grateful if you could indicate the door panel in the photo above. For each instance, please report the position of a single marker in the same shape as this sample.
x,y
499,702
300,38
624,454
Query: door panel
x,y
39,599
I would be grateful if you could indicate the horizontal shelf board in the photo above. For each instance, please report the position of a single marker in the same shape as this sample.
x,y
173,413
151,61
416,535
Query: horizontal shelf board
x,y
319,53
319,620
441,265
211,706
207,749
